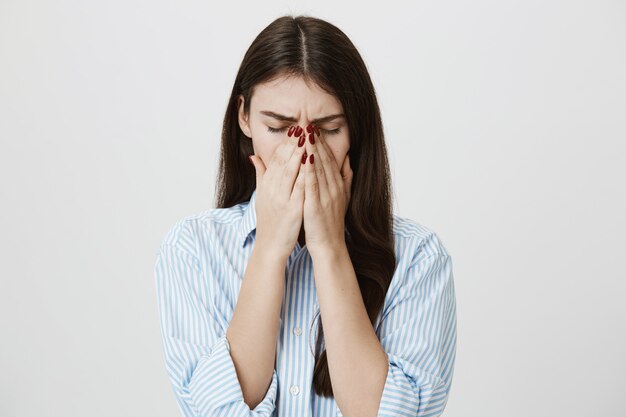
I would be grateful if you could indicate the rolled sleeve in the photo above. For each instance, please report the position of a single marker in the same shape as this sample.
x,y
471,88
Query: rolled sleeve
x,y
197,352
216,389
418,333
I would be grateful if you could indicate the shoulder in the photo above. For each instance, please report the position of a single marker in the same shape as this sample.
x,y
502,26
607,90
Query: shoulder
x,y
416,241
190,231
423,265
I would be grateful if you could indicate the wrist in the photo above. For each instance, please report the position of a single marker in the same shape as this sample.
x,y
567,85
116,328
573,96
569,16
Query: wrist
x,y
329,252
269,254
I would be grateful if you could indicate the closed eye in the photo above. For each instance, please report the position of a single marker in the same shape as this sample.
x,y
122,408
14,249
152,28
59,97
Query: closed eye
x,y
271,129
330,132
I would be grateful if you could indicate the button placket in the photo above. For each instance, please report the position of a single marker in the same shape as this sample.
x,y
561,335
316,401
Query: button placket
x,y
292,321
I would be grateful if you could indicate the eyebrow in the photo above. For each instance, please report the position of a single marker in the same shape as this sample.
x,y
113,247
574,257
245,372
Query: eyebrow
x,y
284,118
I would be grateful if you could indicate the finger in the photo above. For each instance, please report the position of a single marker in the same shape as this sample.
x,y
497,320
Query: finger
x,y
298,187
259,167
317,165
282,154
311,182
331,170
292,170
278,169
346,175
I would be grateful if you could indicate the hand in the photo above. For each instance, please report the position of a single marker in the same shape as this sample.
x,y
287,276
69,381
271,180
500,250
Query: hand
x,y
327,194
279,201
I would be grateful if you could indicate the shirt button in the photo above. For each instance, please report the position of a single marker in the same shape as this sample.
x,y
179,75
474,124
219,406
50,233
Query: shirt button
x,y
294,390
297,331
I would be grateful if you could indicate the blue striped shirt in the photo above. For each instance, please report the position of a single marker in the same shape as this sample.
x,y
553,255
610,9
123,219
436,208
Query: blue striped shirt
x,y
199,269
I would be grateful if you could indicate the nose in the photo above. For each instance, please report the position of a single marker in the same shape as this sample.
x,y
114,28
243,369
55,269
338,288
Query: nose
x,y
296,130
311,128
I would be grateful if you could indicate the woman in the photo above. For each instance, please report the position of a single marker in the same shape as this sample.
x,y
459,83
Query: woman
x,y
302,237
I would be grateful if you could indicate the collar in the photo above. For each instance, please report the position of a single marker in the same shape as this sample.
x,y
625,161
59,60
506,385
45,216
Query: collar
x,y
248,221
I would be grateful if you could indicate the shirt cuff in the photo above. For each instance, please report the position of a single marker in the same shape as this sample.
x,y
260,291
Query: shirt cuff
x,y
215,387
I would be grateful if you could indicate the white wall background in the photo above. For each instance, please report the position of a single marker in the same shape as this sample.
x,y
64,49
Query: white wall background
x,y
505,122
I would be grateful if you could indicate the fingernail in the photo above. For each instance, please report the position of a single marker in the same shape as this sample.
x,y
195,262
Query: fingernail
x,y
301,141
317,130
311,158
304,158
298,131
311,139
309,128
291,130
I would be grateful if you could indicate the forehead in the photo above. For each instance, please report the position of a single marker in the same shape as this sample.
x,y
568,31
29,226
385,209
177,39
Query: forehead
x,y
289,95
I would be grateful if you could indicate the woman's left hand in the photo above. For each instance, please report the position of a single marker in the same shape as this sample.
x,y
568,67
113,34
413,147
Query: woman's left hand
x,y
326,196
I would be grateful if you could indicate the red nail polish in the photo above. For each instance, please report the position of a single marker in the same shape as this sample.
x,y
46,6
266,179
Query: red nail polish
x,y
301,141
304,158
311,139
317,130
291,130
311,158
309,128
298,131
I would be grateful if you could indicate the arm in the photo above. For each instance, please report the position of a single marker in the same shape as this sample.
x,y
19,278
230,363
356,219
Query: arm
x,y
418,332
407,373
197,351
254,327
356,360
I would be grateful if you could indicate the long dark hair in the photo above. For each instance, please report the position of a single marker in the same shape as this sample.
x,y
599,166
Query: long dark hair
x,y
320,52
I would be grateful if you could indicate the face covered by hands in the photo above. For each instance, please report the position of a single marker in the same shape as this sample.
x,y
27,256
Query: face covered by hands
x,y
327,192
286,102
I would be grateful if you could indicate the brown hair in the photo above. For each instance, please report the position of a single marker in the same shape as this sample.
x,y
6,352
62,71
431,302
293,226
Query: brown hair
x,y
320,52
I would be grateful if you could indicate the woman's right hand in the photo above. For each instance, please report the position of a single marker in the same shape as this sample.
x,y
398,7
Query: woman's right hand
x,y
280,194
